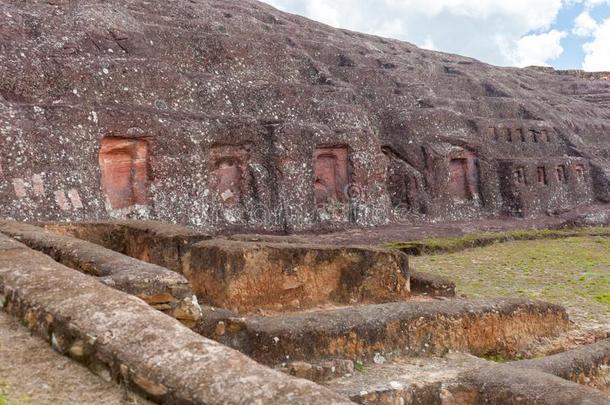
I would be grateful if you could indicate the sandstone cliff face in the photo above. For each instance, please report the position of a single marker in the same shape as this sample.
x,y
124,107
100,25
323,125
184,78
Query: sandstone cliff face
x,y
230,113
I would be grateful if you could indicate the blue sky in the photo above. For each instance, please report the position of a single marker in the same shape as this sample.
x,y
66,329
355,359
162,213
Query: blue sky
x,y
573,54
565,34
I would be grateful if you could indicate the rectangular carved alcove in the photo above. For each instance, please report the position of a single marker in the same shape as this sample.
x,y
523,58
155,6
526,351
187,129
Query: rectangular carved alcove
x,y
519,176
464,176
331,171
124,166
228,167
520,134
579,169
458,178
492,134
561,174
542,175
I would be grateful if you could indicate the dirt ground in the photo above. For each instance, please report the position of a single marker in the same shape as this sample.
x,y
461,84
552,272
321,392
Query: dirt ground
x,y
417,230
32,373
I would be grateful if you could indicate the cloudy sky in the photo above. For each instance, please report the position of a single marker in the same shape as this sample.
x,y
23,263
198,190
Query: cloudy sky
x,y
565,34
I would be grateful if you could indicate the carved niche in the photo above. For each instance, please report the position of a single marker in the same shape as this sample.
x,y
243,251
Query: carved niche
x,y
332,176
229,168
404,183
464,176
561,174
124,168
542,179
579,169
520,176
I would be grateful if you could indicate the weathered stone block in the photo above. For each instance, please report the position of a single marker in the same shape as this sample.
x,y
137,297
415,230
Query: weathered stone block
x,y
503,326
160,287
149,241
587,365
246,276
460,379
119,337
503,384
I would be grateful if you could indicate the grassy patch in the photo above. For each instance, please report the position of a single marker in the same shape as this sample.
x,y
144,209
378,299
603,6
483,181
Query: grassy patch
x,y
456,244
496,358
7,399
604,299
573,272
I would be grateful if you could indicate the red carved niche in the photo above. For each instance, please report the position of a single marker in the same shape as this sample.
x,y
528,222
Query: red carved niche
x,y
228,168
458,180
561,174
542,175
124,166
331,170
463,176
580,171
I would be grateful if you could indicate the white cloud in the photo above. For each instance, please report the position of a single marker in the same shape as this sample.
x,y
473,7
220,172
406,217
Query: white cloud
x,y
428,44
538,49
597,52
584,25
595,3
325,12
490,30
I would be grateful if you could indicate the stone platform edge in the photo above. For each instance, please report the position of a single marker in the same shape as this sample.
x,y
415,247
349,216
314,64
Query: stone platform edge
x,y
121,338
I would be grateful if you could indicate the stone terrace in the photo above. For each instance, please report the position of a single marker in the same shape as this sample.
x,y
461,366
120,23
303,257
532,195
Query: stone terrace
x,y
368,345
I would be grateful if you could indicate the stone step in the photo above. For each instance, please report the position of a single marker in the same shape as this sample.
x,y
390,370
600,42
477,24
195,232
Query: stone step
x,y
121,339
169,246
496,326
587,365
248,276
406,380
162,288
459,379
149,241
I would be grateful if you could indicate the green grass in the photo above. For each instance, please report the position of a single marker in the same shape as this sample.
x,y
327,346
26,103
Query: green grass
x,y
603,299
456,244
573,272
496,358
6,397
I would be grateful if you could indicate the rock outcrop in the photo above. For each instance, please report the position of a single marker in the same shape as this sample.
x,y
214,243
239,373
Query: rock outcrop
x,y
223,114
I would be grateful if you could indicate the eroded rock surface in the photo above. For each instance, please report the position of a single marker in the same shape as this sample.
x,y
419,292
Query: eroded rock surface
x,y
503,326
160,287
245,276
165,245
223,114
